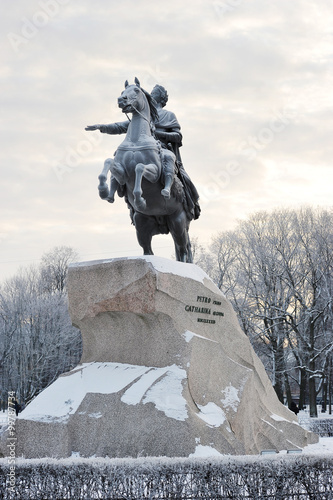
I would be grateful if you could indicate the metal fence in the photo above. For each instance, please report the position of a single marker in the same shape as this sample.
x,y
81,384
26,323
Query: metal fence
x,y
321,426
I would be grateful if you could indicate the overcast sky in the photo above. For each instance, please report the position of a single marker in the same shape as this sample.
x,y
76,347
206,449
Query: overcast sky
x,y
250,82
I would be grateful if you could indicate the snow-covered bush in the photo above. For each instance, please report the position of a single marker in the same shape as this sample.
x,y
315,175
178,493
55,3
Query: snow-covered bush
x,y
288,477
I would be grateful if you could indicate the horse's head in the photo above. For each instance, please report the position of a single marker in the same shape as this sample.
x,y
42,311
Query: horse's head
x,y
131,99
135,99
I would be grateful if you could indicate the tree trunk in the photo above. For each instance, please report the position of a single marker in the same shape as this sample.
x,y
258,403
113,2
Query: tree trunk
x,y
302,389
330,387
287,388
278,368
312,392
324,396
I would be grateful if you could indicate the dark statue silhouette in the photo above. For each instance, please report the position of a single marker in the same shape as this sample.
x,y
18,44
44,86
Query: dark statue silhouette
x,y
147,170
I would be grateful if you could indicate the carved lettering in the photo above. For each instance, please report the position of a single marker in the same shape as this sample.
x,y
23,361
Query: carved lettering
x,y
201,298
205,310
196,309
204,320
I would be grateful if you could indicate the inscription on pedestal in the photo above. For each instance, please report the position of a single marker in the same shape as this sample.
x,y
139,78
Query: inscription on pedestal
x,y
209,309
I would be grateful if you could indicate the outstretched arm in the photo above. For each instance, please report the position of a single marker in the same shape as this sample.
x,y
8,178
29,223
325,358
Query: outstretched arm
x,y
93,127
112,128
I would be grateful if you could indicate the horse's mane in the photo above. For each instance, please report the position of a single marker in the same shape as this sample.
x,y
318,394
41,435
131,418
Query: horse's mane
x,y
151,101
152,105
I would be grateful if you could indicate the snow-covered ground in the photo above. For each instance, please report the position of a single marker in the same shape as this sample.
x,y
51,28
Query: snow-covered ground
x,y
306,414
324,446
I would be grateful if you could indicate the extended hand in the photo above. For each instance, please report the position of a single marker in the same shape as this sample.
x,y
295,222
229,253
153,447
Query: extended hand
x,y
92,127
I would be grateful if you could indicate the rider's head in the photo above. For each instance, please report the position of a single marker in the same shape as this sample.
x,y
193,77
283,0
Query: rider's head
x,y
160,95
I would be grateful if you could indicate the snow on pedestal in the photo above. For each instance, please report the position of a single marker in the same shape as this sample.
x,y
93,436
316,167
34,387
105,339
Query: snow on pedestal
x,y
166,371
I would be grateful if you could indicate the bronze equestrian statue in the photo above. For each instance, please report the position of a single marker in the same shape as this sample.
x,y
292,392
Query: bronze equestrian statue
x,y
148,172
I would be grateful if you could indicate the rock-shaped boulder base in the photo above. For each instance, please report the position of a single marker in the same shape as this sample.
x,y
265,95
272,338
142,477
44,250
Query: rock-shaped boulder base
x,y
166,371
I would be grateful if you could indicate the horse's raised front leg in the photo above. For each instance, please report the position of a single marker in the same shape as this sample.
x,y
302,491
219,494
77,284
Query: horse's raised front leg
x,y
103,188
117,178
151,173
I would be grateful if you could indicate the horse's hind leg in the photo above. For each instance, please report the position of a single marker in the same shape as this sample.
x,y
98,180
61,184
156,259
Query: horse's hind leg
x,y
179,225
146,228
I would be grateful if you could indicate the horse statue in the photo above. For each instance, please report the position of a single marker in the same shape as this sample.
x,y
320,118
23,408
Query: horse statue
x,y
144,172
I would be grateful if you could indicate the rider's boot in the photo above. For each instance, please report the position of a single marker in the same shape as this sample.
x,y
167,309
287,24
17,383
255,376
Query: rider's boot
x,y
168,164
167,187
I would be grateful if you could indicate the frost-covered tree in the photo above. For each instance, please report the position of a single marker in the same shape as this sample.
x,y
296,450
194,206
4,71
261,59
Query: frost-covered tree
x,y
276,268
310,283
54,266
37,340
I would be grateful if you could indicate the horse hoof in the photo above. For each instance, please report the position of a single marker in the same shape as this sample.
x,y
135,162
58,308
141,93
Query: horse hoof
x,y
103,192
110,199
166,193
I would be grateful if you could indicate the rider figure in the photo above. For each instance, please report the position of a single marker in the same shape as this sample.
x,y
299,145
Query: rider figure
x,y
167,131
